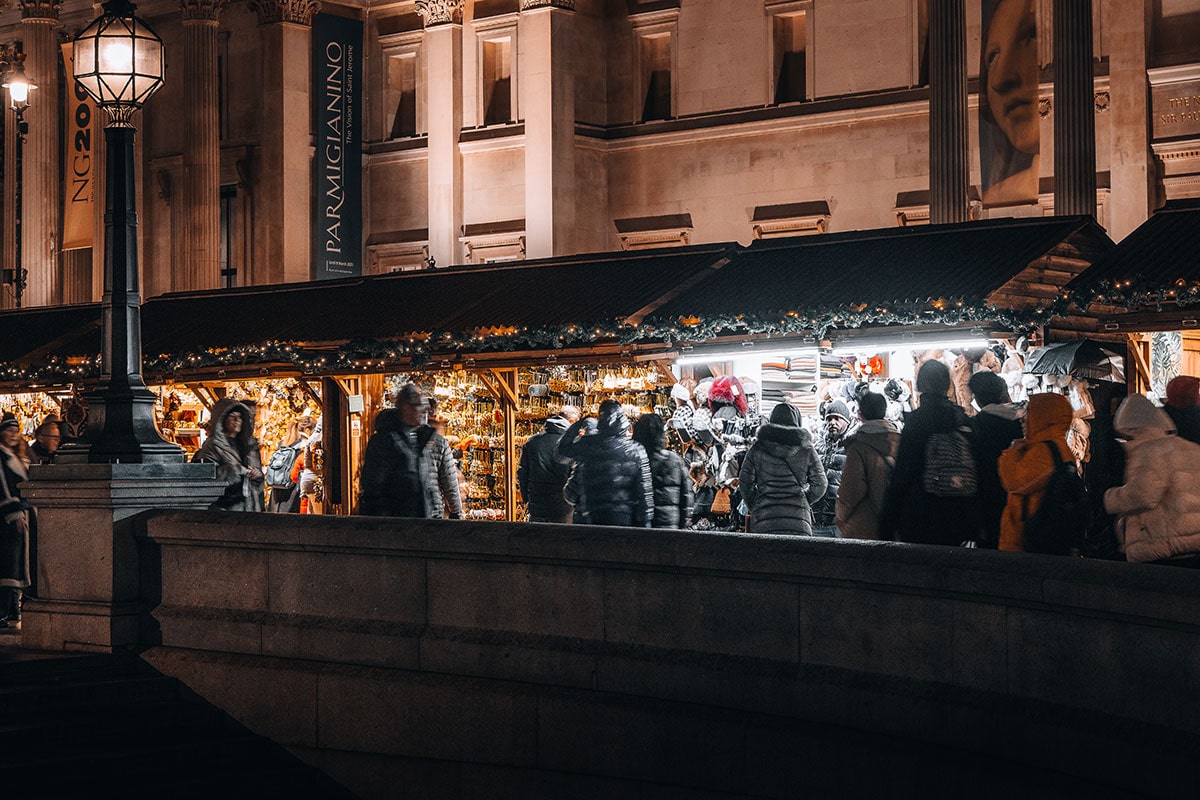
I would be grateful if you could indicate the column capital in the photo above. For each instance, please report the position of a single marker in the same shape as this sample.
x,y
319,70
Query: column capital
x,y
565,5
440,12
201,10
299,12
39,10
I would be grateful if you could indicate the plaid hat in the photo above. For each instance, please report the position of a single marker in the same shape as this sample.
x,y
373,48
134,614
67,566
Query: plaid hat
x,y
410,395
9,420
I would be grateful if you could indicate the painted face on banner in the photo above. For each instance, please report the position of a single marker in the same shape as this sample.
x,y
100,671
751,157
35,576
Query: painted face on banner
x,y
1010,58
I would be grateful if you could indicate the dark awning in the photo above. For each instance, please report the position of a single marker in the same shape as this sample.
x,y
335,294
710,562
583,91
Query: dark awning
x,y
1163,253
960,263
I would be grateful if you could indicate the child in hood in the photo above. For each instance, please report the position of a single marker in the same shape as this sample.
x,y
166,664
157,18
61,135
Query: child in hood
x,y
1026,468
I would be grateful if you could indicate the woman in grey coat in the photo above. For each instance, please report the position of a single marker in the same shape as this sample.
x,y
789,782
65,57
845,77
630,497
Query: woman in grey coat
x,y
782,476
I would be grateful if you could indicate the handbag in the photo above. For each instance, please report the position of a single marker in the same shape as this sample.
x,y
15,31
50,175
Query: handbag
x,y
720,503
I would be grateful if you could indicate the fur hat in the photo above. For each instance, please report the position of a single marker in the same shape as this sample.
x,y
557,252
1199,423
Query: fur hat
x,y
681,393
1183,392
728,390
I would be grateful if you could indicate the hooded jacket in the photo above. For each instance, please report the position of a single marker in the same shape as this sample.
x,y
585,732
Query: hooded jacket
x,y
1158,508
993,430
870,459
1027,466
235,458
542,474
782,476
672,485
407,472
612,472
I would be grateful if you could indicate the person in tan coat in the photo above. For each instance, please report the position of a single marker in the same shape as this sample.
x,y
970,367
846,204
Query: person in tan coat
x,y
1026,467
870,458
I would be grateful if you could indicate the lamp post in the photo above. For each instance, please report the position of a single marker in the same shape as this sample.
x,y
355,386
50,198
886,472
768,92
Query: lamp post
x,y
119,63
18,85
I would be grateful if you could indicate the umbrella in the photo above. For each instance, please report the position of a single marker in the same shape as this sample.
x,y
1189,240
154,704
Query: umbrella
x,y
1082,358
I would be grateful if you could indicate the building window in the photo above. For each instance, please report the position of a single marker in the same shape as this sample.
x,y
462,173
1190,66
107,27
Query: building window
x,y
496,61
494,242
656,77
229,270
652,233
402,95
402,110
655,37
791,74
922,43
790,219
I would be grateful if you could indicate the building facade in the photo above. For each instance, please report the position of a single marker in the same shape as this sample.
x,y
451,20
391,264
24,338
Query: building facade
x,y
295,140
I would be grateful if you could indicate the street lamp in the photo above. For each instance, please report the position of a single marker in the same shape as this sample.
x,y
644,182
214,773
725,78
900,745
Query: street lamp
x,y
18,85
119,63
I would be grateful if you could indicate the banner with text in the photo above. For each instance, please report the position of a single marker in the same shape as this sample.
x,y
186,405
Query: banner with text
x,y
337,85
1009,118
79,210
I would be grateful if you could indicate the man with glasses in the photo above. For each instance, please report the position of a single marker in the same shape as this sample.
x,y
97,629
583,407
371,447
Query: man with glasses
x,y
45,443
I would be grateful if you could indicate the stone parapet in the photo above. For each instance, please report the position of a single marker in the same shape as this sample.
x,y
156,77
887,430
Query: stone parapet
x,y
518,652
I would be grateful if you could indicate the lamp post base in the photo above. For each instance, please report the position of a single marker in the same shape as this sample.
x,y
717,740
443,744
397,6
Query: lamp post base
x,y
121,430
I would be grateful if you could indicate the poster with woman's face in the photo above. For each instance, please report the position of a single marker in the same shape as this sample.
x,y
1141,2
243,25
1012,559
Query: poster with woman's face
x,y
1009,138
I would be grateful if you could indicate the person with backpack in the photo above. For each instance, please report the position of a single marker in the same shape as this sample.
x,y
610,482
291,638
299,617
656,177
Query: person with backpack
x,y
282,472
1158,508
933,496
870,457
993,429
1029,471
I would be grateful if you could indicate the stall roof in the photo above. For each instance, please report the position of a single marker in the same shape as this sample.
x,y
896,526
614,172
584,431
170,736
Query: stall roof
x,y
967,261
1160,252
539,293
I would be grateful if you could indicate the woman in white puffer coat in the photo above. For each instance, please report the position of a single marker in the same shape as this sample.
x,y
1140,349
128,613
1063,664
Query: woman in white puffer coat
x,y
1158,508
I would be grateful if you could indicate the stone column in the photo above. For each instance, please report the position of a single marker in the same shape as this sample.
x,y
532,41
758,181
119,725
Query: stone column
x,y
1131,162
89,575
1074,109
285,184
949,153
201,148
42,196
548,107
443,59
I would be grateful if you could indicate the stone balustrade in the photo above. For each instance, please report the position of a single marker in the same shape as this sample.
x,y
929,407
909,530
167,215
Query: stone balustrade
x,y
469,659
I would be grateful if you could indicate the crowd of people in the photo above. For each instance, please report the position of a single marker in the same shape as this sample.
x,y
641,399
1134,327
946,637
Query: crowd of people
x,y
1002,478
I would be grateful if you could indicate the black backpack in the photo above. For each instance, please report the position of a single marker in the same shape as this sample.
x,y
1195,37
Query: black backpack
x,y
1059,526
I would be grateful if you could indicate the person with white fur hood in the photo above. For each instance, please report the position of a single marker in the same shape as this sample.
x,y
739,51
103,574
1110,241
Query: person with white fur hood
x,y
1158,508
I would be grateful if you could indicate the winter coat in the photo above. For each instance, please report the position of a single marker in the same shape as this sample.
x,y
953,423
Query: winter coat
x,y
1159,505
910,513
993,430
672,487
542,474
612,472
407,472
1186,422
15,525
832,452
235,458
1026,467
869,460
781,478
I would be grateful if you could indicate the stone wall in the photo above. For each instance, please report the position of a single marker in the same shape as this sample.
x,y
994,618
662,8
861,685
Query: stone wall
x,y
454,659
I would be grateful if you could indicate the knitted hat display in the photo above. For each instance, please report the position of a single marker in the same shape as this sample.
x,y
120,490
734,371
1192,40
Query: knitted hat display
x,y
728,390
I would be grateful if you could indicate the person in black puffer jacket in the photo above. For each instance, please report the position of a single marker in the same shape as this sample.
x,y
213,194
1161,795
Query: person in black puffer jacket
x,y
612,472
782,476
672,484
542,474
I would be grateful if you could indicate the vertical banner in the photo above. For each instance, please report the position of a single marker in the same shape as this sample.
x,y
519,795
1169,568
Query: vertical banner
x,y
1009,135
79,211
337,207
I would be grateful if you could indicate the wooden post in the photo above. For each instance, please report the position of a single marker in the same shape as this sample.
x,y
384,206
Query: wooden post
x,y
508,378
